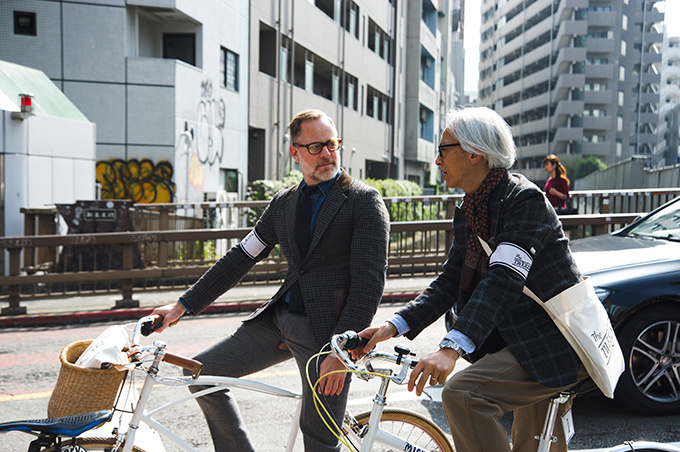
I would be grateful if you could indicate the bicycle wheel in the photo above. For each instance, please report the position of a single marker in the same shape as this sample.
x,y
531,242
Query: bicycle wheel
x,y
95,444
412,427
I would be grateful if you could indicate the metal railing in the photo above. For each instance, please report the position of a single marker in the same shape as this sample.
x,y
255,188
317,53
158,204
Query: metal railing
x,y
47,266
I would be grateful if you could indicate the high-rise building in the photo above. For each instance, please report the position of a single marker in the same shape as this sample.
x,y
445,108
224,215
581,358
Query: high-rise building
x,y
669,107
374,65
573,77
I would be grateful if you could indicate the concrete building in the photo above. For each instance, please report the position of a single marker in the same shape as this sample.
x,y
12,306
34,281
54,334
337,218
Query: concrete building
x,y
573,77
667,152
165,81
193,99
374,65
47,146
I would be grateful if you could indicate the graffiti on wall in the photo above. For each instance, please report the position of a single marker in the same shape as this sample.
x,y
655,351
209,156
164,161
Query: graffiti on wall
x,y
200,146
138,180
211,117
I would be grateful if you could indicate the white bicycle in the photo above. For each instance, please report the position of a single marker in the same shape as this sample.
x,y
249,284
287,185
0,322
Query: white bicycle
x,y
381,429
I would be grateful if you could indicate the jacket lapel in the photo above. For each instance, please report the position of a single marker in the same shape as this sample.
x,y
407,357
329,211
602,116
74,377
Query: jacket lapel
x,y
330,208
291,216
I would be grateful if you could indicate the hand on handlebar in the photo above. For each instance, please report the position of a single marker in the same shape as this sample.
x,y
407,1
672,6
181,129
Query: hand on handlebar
x,y
374,334
170,313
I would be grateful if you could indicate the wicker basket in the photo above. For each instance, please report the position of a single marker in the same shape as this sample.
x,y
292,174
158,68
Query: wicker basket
x,y
81,390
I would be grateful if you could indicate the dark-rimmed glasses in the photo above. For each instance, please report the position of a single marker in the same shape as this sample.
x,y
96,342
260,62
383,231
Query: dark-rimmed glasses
x,y
442,146
314,148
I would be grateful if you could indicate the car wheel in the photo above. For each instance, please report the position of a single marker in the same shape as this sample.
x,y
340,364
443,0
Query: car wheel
x,y
650,342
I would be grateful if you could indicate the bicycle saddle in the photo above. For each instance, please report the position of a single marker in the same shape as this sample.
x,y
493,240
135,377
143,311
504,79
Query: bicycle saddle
x,y
67,426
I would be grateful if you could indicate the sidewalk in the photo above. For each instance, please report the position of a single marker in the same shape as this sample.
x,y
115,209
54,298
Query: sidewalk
x,y
99,308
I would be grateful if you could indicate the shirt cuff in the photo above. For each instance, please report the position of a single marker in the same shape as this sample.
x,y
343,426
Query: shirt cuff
x,y
462,340
401,325
184,305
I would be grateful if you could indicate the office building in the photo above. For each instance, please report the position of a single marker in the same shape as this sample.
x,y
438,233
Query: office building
x,y
573,77
669,106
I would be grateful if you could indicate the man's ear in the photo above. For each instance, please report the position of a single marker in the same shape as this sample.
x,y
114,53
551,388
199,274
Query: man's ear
x,y
294,153
475,158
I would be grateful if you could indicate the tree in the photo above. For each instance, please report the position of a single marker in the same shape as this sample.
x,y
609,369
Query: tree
x,y
579,167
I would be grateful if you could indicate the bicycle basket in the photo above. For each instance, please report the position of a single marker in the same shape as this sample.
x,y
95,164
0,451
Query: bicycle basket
x,y
81,390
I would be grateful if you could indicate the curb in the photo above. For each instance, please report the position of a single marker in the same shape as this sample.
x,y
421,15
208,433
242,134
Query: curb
x,y
47,320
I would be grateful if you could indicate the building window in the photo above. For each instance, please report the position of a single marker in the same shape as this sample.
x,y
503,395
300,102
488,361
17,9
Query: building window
x,y
24,23
229,69
180,46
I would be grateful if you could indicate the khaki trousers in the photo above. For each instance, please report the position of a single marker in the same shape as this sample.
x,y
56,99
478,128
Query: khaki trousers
x,y
476,398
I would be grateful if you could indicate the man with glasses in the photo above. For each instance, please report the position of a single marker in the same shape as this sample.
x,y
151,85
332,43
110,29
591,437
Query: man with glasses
x,y
519,358
334,233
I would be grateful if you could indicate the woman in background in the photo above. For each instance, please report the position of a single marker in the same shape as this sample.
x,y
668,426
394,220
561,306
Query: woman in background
x,y
557,187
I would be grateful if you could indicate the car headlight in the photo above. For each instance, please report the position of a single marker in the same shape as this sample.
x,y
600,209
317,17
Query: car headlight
x,y
602,293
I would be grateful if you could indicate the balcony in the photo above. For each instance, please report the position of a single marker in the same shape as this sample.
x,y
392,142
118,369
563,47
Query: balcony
x,y
569,134
601,19
599,97
598,123
568,107
600,71
600,45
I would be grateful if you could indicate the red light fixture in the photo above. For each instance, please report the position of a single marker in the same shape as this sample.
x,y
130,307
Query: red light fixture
x,y
26,103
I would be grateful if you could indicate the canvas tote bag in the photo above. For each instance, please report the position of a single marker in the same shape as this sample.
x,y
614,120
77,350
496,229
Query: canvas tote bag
x,y
584,323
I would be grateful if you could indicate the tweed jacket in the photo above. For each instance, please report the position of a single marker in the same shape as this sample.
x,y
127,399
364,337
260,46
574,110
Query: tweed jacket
x,y
520,215
342,277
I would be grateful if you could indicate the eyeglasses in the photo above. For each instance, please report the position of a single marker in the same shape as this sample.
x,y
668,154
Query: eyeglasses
x,y
442,146
314,148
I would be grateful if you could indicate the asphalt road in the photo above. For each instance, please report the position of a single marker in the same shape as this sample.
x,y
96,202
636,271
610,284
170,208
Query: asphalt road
x,y
29,368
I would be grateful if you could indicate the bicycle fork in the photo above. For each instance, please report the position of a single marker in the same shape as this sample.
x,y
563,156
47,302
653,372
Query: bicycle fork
x,y
546,438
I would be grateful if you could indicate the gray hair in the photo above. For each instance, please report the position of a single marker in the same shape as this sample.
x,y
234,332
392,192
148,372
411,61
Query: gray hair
x,y
484,132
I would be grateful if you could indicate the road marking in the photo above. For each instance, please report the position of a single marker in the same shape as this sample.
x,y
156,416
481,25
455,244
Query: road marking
x,y
34,395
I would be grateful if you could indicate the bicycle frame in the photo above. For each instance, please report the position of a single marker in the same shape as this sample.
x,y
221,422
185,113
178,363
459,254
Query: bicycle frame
x,y
374,434
218,384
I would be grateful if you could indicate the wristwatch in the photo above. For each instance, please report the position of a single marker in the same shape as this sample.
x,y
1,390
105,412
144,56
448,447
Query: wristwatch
x,y
448,343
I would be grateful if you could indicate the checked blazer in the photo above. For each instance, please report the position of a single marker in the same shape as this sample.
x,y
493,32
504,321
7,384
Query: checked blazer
x,y
519,214
342,277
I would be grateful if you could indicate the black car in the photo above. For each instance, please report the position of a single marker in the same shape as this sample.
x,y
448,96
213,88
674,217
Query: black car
x,y
636,274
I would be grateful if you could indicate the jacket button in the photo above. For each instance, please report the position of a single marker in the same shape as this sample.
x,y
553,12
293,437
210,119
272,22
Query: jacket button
x,y
301,272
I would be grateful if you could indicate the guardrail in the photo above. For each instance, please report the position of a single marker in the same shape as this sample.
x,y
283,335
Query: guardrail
x,y
169,256
147,263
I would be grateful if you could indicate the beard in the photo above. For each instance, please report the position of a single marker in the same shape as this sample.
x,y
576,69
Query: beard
x,y
321,171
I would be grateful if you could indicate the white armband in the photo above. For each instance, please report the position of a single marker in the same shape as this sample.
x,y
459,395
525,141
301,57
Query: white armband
x,y
252,244
513,257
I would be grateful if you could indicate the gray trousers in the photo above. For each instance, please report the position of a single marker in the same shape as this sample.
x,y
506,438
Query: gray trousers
x,y
476,398
254,346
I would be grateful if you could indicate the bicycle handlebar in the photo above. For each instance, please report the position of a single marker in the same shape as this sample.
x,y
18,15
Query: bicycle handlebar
x,y
187,363
350,340
147,325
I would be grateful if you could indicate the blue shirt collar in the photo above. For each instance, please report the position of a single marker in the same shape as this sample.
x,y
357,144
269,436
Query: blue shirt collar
x,y
325,186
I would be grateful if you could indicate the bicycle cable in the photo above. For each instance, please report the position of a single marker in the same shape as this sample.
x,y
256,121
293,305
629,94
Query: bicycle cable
x,y
318,403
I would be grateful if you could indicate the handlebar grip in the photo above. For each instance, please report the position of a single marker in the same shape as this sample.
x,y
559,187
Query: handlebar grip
x,y
187,363
148,327
352,340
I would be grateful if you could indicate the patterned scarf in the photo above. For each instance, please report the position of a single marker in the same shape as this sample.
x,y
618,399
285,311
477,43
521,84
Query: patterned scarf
x,y
476,210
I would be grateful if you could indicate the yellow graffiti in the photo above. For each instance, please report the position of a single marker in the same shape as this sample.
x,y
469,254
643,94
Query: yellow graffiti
x,y
140,181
